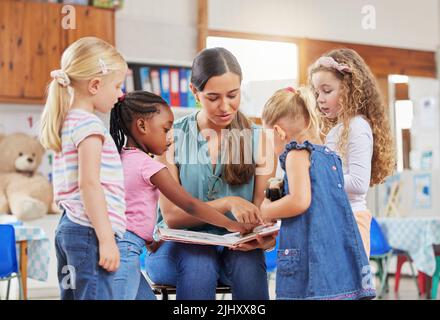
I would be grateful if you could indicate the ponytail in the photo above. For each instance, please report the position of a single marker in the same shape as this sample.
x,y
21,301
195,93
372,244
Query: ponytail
x,y
54,114
293,104
241,172
117,127
309,100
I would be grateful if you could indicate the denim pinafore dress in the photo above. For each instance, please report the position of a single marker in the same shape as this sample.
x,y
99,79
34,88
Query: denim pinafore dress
x,y
321,255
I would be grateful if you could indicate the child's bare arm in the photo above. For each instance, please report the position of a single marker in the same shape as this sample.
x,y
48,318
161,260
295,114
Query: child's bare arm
x,y
180,197
265,169
177,218
174,216
92,194
300,194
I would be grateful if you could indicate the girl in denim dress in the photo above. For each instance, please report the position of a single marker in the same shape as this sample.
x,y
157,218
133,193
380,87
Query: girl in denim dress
x,y
320,254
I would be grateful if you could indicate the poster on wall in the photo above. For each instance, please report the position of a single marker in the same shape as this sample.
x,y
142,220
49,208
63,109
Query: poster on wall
x,y
390,195
428,112
422,191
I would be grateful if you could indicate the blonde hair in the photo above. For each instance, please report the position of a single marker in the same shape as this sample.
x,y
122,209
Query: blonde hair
x,y
84,59
294,104
360,95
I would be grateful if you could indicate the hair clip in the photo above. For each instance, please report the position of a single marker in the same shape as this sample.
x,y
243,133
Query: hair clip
x,y
103,66
290,89
121,98
329,62
61,77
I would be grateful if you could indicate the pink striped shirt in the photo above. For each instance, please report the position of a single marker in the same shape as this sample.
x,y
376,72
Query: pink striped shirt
x,y
80,124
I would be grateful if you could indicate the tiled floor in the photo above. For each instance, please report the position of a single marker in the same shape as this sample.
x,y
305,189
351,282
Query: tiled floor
x,y
407,291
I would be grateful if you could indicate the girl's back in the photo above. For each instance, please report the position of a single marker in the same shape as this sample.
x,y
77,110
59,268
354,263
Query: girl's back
x,y
320,251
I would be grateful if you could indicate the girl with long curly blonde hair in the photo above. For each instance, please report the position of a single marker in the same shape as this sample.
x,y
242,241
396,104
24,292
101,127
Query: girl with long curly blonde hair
x,y
355,124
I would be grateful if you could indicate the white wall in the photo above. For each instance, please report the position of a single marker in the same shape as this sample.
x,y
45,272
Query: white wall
x,y
425,129
166,31
412,201
162,31
405,24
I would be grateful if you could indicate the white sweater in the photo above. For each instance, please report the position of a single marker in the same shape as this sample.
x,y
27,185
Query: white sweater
x,y
357,167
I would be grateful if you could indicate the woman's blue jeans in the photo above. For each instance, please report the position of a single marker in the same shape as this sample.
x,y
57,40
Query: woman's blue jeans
x,y
196,270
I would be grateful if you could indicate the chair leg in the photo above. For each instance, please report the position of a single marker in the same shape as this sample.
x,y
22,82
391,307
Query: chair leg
x,y
413,275
434,289
20,286
421,279
382,275
164,293
8,289
435,279
400,261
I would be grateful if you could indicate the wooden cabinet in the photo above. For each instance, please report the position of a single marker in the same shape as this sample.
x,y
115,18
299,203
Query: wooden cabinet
x,y
32,41
91,21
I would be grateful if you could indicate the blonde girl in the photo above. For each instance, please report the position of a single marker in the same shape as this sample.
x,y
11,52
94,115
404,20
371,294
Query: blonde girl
x,y
87,173
356,126
320,252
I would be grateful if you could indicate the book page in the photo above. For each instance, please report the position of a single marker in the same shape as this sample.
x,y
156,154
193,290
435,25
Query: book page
x,y
229,240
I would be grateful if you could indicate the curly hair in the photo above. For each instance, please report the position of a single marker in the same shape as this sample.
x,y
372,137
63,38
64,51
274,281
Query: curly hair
x,y
360,95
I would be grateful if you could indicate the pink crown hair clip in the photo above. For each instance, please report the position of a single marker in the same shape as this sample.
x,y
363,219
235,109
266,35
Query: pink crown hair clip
x,y
290,89
329,62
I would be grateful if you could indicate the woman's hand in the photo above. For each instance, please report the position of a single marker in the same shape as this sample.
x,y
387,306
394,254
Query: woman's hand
x,y
245,211
261,242
243,228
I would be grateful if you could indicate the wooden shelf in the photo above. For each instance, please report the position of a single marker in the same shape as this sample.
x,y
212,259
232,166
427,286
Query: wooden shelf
x,y
33,41
19,100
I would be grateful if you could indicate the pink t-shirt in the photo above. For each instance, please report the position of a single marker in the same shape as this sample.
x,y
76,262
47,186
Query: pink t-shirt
x,y
141,196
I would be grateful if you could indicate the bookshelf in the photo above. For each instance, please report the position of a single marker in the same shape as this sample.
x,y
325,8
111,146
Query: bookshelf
x,y
168,79
171,82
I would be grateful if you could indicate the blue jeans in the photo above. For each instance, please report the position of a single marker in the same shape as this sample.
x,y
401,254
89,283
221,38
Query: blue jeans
x,y
79,275
196,270
129,282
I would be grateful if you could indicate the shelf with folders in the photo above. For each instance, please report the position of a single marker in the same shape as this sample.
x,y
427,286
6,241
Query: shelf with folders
x,y
171,82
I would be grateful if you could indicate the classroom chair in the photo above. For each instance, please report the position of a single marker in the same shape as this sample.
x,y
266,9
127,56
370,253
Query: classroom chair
x,y
271,261
435,278
8,262
402,257
165,290
380,252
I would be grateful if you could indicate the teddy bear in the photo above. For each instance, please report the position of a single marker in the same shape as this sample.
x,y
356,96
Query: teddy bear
x,y
24,193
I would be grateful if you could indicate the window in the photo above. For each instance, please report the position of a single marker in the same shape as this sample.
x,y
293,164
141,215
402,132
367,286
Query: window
x,y
266,65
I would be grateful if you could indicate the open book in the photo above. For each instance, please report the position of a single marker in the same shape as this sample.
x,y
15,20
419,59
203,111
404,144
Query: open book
x,y
227,240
